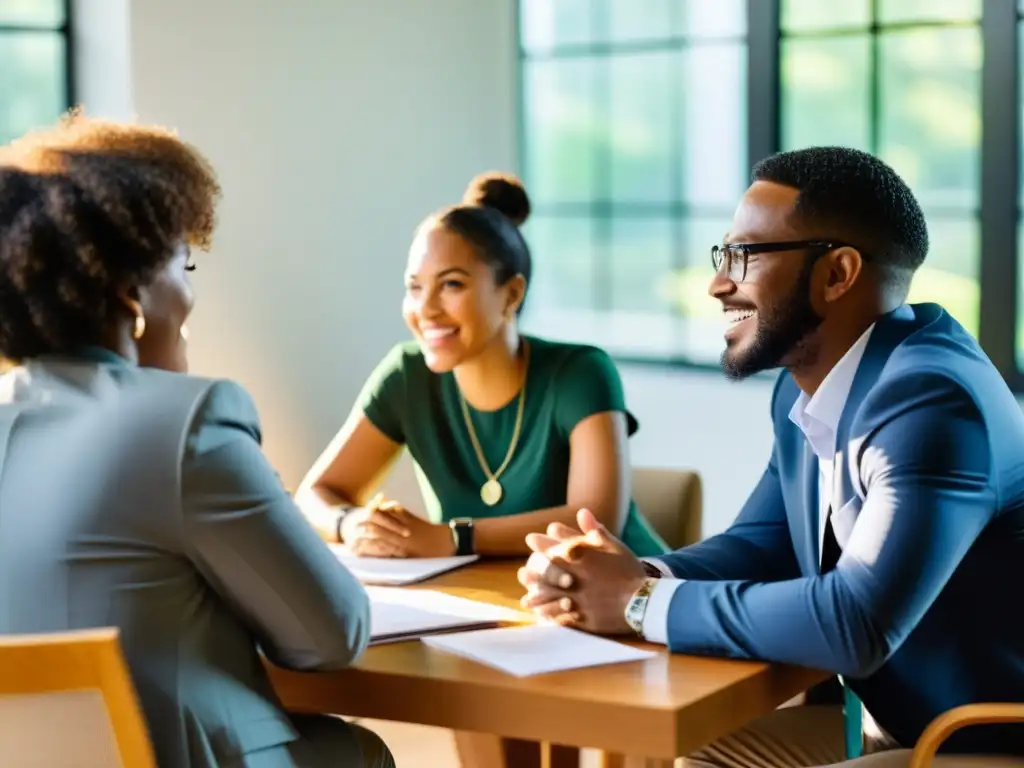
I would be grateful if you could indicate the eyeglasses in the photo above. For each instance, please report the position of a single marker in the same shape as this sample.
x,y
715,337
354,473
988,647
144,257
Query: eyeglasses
x,y
735,255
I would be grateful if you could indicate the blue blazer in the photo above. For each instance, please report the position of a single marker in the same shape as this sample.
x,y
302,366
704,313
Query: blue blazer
x,y
919,615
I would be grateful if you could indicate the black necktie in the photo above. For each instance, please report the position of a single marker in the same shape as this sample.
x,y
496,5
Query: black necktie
x,y
830,550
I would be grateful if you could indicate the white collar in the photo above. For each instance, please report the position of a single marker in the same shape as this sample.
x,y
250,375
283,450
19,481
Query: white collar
x,y
818,416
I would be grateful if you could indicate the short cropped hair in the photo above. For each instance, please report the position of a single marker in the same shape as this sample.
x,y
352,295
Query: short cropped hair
x,y
854,196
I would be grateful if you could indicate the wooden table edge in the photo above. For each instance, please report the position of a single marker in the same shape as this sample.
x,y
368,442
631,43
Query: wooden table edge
x,y
655,730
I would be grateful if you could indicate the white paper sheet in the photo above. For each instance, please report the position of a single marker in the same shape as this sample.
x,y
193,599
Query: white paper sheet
x,y
407,614
536,649
396,571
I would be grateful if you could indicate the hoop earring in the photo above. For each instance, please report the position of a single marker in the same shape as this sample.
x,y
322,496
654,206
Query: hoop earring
x,y
140,327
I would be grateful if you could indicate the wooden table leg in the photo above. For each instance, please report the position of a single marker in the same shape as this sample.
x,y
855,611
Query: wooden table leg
x,y
609,760
559,756
477,750
483,750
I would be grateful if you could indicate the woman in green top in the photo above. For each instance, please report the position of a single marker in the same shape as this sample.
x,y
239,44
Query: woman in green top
x,y
509,433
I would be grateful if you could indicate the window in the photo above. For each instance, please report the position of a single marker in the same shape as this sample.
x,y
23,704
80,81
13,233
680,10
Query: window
x,y
1019,313
35,85
637,144
634,152
900,79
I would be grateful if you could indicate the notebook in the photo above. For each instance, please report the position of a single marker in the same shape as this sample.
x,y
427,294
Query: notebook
x,y
396,571
399,614
536,649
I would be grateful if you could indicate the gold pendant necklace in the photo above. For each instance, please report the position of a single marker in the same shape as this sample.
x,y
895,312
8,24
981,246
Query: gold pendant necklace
x,y
491,491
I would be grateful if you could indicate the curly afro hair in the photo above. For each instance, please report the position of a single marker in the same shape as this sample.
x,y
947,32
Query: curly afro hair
x,y
88,209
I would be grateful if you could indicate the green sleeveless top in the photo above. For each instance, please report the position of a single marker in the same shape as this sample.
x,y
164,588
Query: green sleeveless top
x,y
565,383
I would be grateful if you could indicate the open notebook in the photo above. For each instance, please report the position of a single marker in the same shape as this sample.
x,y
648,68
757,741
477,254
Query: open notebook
x,y
407,614
398,571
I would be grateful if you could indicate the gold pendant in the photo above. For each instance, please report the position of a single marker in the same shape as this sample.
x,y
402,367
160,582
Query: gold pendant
x,y
490,492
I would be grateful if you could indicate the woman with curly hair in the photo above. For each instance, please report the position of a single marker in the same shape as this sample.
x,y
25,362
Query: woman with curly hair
x,y
136,496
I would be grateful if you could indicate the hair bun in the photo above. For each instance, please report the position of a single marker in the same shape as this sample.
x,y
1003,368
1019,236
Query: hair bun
x,y
501,191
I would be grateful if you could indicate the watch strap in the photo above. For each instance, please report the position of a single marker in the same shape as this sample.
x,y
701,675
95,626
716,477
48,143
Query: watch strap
x,y
651,570
462,536
343,512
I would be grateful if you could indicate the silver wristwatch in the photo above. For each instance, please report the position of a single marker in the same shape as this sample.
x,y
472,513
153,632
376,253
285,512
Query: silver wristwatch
x,y
343,512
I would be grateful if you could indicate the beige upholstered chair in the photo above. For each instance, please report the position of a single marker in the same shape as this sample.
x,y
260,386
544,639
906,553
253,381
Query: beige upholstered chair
x,y
671,500
67,699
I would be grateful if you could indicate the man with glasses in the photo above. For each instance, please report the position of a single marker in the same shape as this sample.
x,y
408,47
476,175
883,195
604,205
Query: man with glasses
x,y
886,536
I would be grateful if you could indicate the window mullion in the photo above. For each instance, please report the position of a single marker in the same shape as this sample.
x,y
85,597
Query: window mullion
x,y
1000,170
763,79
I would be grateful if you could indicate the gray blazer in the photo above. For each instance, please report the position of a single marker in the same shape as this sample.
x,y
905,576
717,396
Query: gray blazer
x,y
140,499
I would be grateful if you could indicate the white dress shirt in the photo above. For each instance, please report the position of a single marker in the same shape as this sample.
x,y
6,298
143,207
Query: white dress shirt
x,y
818,418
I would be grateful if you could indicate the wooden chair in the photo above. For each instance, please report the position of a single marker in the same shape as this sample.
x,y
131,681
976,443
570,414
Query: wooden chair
x,y
67,699
943,726
671,500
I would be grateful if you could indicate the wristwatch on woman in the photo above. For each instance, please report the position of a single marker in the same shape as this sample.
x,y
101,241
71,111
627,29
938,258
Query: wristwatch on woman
x,y
343,512
462,535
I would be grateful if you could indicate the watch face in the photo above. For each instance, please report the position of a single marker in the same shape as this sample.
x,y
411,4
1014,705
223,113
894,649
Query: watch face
x,y
635,613
462,535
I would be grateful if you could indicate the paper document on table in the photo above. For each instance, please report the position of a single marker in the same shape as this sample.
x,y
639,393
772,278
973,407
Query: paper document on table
x,y
536,649
396,571
407,614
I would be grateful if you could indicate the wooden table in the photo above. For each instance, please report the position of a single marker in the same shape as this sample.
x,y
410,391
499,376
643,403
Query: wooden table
x,y
660,708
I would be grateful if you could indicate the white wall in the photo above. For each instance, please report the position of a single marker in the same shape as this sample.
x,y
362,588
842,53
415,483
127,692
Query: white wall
x,y
335,127
702,421
102,62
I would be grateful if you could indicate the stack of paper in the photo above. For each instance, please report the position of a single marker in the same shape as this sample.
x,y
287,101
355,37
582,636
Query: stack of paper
x,y
398,571
408,614
536,649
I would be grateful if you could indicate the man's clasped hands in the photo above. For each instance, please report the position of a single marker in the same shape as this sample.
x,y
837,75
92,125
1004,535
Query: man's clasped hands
x,y
581,578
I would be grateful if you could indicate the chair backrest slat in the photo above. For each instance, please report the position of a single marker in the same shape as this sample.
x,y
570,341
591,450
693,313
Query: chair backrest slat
x,y
67,667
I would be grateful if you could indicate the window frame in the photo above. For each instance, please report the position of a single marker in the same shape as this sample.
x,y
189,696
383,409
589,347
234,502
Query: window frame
x,y
999,216
602,212
65,30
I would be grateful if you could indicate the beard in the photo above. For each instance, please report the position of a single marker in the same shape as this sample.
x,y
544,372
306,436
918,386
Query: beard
x,y
781,334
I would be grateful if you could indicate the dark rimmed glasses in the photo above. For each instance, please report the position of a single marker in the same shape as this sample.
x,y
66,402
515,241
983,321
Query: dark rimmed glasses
x,y
734,256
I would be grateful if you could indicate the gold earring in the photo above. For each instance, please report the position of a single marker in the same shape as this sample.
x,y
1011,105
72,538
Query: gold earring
x,y
140,327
